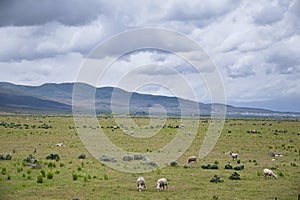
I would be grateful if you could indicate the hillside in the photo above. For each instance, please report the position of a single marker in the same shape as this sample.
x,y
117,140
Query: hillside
x,y
57,98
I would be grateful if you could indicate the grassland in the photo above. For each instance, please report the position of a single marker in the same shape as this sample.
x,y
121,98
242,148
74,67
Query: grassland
x,y
89,179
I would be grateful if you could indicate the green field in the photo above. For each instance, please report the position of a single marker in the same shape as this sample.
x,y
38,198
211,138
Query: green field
x,y
88,178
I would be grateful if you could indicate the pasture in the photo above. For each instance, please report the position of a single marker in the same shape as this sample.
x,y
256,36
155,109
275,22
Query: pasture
x,y
71,177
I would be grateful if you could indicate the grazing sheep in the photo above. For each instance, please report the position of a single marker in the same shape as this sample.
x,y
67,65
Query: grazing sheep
x,y
192,159
59,144
268,172
233,155
162,183
141,183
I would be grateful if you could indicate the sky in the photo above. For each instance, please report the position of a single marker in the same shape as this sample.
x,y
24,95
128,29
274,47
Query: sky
x,y
254,46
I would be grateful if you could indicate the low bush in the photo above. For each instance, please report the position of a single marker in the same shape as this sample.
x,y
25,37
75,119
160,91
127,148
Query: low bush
x,y
234,176
174,164
216,179
74,176
127,158
50,175
228,166
209,166
39,179
239,167
138,156
105,158
5,157
82,156
30,159
53,156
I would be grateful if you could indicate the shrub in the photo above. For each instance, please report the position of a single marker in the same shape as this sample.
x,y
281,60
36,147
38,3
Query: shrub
x,y
186,166
127,158
139,156
105,158
53,156
216,179
174,164
19,169
205,166
238,161
29,159
152,164
239,167
75,176
51,165
228,166
8,157
82,156
214,166
3,171
280,174
105,177
209,166
43,173
50,175
39,179
234,176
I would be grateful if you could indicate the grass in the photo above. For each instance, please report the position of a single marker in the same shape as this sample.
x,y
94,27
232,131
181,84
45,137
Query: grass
x,y
71,177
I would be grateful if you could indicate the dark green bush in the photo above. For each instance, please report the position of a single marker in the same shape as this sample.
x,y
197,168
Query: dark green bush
x,y
234,176
75,176
173,164
30,159
216,179
228,166
50,175
53,156
82,156
209,166
43,173
39,179
239,167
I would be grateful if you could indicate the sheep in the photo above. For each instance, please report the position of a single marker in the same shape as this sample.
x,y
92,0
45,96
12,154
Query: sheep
x,y
268,172
233,155
161,183
141,183
59,144
192,159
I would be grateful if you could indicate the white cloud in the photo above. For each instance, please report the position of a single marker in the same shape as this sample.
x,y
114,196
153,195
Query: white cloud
x,y
36,72
254,44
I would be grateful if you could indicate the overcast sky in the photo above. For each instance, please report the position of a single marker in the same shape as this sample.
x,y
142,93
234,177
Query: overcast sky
x,y
253,44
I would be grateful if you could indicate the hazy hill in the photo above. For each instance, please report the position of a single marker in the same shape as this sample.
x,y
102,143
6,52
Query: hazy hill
x,y
57,98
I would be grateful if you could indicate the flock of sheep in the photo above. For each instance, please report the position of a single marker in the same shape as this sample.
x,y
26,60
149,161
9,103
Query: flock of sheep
x,y
162,182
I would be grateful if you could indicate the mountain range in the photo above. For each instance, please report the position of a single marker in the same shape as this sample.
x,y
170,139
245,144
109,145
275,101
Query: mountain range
x,y
52,98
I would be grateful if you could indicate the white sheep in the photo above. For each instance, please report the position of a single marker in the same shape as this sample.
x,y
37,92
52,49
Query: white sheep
x,y
140,183
162,183
268,172
192,159
233,155
60,144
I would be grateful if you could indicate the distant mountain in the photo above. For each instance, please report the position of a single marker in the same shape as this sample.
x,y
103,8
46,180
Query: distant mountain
x,y
57,98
